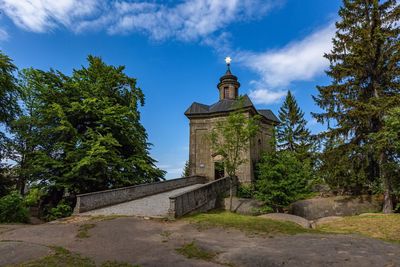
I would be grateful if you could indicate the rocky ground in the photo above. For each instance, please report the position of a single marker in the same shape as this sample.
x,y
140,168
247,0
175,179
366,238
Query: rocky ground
x,y
154,243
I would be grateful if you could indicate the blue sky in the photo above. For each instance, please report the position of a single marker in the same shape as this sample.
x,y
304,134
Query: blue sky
x,y
176,50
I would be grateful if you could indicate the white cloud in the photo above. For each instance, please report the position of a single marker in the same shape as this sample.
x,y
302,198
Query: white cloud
x,y
3,35
298,61
44,15
187,20
266,96
173,170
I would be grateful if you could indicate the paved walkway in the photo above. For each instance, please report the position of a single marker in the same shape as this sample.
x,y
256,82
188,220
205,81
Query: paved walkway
x,y
152,206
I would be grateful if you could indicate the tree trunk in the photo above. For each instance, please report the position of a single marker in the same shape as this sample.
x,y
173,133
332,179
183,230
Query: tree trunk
x,y
387,202
230,192
21,185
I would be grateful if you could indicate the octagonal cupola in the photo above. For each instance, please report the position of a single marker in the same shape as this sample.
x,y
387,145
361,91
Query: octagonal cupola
x,y
228,85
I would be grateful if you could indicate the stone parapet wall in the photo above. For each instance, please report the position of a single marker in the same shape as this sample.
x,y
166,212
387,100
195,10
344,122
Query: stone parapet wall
x,y
95,200
200,199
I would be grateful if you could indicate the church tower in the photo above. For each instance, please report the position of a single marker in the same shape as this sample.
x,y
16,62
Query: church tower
x,y
203,118
228,85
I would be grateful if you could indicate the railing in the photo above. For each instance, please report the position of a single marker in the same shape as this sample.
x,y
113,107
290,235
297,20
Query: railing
x,y
201,199
95,200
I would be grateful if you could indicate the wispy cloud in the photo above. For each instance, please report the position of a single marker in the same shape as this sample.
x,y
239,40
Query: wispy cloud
x,y
298,61
44,15
3,35
261,95
187,20
173,170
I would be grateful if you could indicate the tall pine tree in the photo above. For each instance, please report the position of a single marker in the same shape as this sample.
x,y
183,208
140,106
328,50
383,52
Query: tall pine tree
x,y
364,67
292,133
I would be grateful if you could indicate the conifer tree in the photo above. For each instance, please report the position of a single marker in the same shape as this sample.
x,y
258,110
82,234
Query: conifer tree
x,y
292,133
364,67
186,169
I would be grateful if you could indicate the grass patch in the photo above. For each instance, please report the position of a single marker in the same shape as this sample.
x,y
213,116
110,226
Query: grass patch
x,y
192,251
83,231
60,258
64,258
381,226
245,223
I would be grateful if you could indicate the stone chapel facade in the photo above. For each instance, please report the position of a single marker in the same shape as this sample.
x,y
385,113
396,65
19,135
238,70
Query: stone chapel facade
x,y
203,118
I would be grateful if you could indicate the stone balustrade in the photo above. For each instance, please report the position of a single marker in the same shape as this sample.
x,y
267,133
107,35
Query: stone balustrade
x,y
95,200
201,199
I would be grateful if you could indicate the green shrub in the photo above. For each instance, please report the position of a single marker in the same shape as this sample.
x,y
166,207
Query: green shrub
x,y
13,209
282,179
33,197
397,208
245,191
60,211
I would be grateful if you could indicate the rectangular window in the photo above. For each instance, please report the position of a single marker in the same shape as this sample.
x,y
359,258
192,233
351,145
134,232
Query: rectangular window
x,y
226,92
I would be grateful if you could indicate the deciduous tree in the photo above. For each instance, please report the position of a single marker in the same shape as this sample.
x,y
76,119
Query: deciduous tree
x,y
230,138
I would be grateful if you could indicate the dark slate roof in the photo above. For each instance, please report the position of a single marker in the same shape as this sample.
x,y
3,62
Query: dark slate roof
x,y
226,105
267,113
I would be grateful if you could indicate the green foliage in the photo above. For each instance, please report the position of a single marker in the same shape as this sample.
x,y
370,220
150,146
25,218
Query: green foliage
x,y
8,90
250,224
365,87
245,191
8,110
62,210
33,197
13,209
397,209
6,181
292,133
282,179
82,132
186,169
230,138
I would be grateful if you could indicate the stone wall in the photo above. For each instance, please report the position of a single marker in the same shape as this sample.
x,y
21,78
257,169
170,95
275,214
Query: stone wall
x,y
200,199
201,161
95,200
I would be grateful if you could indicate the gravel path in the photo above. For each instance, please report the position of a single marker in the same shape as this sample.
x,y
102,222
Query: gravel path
x,y
152,206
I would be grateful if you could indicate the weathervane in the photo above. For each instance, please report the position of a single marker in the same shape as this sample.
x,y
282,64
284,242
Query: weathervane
x,y
228,61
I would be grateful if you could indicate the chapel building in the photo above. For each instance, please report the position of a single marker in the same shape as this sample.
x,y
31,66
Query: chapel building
x,y
202,160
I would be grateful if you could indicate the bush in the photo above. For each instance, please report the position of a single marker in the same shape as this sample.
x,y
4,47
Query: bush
x,y
33,197
282,179
13,209
245,191
60,211
397,208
